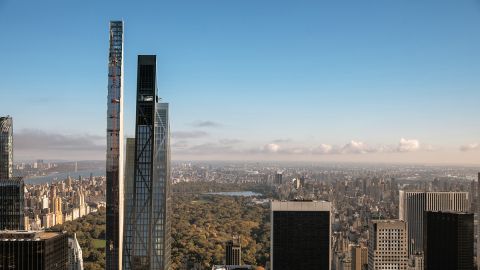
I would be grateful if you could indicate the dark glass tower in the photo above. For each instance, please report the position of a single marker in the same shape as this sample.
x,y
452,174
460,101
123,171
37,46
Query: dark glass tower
x,y
6,147
114,166
448,240
147,235
11,204
300,235
32,250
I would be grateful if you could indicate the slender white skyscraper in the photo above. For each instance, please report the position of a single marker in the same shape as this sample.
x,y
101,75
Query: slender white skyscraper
x,y
114,166
412,206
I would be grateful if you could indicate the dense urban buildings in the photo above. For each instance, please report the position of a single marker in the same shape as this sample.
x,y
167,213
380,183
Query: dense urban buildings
x,y
300,235
387,245
49,204
6,147
12,204
114,166
412,205
148,241
233,252
33,250
448,240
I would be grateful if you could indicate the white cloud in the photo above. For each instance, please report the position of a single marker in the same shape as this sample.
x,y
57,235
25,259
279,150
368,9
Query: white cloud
x,y
271,148
226,146
469,147
323,149
354,147
408,145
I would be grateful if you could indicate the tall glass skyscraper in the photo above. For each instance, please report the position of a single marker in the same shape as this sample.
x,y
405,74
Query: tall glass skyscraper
x,y
147,235
11,188
6,147
114,164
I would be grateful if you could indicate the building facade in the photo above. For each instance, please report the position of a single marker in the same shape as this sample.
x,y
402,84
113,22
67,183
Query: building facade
x,y
114,166
6,147
359,258
33,250
148,240
448,240
278,178
233,252
300,235
387,245
128,185
413,204
12,204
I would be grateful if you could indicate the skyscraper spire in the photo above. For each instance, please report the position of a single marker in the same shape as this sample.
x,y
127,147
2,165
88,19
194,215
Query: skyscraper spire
x,y
114,164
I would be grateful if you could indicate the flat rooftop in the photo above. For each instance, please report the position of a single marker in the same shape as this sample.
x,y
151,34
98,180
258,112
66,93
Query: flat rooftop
x,y
300,206
7,235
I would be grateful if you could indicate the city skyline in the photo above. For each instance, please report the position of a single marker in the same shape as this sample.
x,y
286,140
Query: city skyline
x,y
375,82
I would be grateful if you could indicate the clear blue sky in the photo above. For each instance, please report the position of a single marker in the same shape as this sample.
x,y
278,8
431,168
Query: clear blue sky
x,y
278,79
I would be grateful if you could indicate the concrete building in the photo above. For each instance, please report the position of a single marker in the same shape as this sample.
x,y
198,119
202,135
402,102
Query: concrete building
x,y
413,204
448,240
387,245
300,235
359,257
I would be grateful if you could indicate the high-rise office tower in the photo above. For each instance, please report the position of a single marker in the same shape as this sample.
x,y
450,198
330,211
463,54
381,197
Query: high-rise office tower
x,y
448,240
114,166
300,235
387,245
6,147
147,240
11,203
33,250
413,204
233,252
